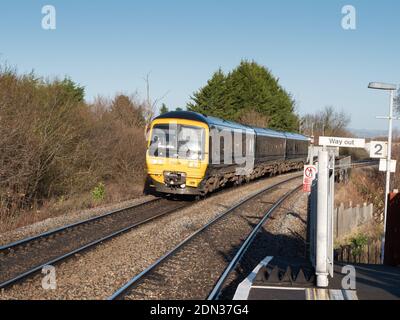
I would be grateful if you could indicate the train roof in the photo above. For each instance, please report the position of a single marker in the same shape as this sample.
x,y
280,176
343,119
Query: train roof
x,y
188,115
296,136
269,133
210,121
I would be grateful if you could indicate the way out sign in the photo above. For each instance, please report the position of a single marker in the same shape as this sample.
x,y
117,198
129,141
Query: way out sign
x,y
342,142
310,173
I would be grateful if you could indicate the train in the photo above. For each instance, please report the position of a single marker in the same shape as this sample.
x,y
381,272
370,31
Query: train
x,y
189,153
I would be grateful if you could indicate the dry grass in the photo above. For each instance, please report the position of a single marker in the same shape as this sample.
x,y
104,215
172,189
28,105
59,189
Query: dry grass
x,y
371,231
365,186
51,208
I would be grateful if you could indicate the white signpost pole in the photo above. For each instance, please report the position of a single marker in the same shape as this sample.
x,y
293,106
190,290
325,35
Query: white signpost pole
x,y
388,173
325,206
321,268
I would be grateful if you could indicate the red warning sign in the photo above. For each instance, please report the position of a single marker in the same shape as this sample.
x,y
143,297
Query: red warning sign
x,y
310,173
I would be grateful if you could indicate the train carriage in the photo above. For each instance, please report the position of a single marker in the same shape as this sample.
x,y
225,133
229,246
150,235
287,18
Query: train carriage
x,y
194,154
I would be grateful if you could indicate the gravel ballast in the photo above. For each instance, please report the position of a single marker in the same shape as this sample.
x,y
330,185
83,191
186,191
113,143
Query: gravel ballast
x,y
63,220
97,273
283,235
192,272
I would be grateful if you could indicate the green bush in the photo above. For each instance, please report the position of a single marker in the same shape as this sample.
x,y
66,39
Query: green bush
x,y
99,192
357,244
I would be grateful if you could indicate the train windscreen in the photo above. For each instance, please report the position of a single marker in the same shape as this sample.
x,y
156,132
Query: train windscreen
x,y
177,141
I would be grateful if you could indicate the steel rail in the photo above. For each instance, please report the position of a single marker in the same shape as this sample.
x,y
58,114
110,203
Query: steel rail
x,y
243,249
11,247
72,225
61,229
39,267
139,277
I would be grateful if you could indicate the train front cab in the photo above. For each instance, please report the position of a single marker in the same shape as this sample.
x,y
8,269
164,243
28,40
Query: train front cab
x,y
177,156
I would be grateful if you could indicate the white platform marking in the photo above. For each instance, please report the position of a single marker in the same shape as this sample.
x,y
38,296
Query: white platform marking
x,y
243,290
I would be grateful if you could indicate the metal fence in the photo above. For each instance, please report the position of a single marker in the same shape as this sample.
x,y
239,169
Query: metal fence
x,y
346,220
369,253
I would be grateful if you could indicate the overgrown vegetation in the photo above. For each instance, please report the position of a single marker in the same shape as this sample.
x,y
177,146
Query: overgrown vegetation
x,y
98,193
55,147
365,186
358,242
249,94
363,245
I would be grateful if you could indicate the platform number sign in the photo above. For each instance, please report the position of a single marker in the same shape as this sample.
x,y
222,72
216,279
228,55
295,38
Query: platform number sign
x,y
378,150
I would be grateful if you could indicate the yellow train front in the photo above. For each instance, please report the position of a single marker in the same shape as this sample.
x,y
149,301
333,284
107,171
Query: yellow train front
x,y
181,155
173,166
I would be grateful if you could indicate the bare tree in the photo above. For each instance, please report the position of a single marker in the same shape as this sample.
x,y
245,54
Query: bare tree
x,y
151,105
327,122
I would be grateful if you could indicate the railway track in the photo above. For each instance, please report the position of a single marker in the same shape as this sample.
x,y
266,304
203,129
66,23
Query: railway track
x,y
194,267
216,291
24,258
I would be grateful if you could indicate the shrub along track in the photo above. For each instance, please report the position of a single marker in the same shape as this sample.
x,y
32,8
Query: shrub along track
x,y
26,257
191,269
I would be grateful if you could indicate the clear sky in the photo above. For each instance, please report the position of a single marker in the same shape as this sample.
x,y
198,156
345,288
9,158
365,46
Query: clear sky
x,y
109,47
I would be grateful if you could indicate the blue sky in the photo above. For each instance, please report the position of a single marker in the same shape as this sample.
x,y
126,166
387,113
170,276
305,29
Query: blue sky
x,y
110,46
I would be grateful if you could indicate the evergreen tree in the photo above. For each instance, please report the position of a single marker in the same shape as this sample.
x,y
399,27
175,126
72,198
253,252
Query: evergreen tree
x,y
163,109
249,88
213,99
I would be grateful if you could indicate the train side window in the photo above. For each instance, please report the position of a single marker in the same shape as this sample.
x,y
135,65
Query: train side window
x,y
221,148
211,150
244,145
232,154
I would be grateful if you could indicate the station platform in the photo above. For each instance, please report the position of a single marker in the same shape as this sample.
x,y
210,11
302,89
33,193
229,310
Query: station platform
x,y
277,278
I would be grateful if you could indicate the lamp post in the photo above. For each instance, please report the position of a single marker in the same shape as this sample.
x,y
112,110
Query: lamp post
x,y
392,88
